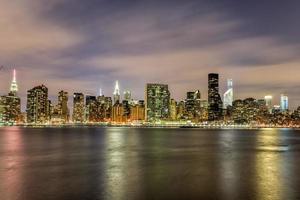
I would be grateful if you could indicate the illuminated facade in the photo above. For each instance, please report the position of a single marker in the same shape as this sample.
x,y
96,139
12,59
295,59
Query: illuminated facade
x,y
137,111
157,99
228,95
214,100
284,102
38,108
78,108
173,110
91,109
269,104
117,93
127,96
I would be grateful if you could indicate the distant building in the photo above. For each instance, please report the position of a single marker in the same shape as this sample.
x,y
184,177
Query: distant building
x,y
190,105
157,98
127,96
116,93
78,108
38,111
62,106
284,102
173,110
214,100
117,115
137,111
269,104
91,109
228,95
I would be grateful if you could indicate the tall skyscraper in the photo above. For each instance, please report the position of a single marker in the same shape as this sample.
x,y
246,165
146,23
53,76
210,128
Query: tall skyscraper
x,y
173,109
78,108
117,93
190,105
214,100
157,98
38,105
14,85
62,106
269,105
284,102
228,95
91,109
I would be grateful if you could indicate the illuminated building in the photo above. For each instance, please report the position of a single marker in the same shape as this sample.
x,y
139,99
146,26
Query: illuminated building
x,y
14,85
284,102
62,106
116,93
228,95
197,106
126,110
127,96
157,98
117,115
78,108
91,109
173,110
268,100
137,112
190,105
38,105
214,100
181,110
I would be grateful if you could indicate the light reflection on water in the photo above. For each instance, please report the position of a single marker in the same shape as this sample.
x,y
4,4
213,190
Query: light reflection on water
x,y
123,163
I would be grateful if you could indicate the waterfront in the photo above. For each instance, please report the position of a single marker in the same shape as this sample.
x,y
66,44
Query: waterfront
x,y
148,163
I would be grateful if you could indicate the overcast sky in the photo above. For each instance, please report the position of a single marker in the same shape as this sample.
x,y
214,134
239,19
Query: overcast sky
x,y
80,46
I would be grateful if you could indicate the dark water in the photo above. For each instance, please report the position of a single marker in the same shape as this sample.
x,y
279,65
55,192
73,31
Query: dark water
x,y
127,163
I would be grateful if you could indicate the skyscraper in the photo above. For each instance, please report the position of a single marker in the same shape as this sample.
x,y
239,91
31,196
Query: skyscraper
x,y
127,96
173,109
284,102
14,85
269,105
228,95
190,105
38,105
91,109
117,93
214,99
63,106
78,108
157,98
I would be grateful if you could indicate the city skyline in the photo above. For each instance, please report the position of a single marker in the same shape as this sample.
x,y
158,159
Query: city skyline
x,y
83,46
116,93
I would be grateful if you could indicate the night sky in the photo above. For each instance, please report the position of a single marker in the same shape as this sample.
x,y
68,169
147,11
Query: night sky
x,y
82,45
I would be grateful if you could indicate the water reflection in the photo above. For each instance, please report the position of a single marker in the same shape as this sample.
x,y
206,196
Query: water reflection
x,y
269,166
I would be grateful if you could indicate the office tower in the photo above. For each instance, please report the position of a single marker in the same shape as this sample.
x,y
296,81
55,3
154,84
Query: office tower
x,y
269,105
284,102
91,109
173,110
62,106
190,105
126,110
117,114
197,106
127,96
78,108
214,99
4,111
13,101
137,111
157,98
228,95
38,105
181,110
117,93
